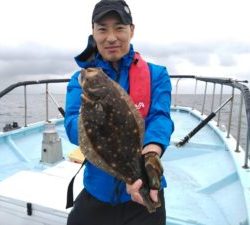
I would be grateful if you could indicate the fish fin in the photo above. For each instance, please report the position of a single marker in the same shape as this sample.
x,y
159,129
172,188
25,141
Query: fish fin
x,y
148,202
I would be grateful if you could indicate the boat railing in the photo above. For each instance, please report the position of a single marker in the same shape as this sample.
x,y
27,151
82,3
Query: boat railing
x,y
201,86
217,94
47,94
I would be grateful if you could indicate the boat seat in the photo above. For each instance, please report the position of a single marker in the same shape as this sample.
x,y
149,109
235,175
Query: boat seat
x,y
76,156
46,188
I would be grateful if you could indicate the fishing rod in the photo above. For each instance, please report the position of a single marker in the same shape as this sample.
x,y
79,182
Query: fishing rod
x,y
202,124
61,110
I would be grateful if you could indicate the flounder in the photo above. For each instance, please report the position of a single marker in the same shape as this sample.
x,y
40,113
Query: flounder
x,y
111,130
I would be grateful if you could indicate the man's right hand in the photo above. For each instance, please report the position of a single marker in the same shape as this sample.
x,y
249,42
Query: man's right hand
x,y
133,190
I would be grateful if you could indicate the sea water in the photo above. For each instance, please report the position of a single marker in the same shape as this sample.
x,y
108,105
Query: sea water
x,y
12,109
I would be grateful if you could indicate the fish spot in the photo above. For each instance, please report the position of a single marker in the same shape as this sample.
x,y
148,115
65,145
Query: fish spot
x,y
89,131
135,131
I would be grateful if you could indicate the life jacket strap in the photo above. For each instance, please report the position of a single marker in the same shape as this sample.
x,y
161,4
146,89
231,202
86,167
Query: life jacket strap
x,y
70,194
140,84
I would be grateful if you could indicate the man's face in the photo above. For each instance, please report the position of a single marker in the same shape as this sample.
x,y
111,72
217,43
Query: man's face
x,y
112,37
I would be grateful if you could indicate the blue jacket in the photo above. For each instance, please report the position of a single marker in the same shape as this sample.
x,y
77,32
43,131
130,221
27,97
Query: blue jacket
x,y
158,124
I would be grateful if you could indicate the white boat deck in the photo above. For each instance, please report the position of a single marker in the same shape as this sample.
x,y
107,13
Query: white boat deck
x,y
204,181
202,178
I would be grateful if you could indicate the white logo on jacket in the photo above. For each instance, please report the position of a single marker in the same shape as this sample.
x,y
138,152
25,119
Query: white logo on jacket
x,y
139,105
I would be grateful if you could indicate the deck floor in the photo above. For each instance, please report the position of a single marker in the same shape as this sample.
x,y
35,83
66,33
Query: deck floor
x,y
202,179
203,186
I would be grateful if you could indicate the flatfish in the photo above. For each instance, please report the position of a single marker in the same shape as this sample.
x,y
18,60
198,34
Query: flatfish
x,y
111,130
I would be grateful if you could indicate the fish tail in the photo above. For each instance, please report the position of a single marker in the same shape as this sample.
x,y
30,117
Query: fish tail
x,y
148,202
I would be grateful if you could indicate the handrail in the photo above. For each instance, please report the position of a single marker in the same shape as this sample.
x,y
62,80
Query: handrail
x,y
215,80
244,90
25,83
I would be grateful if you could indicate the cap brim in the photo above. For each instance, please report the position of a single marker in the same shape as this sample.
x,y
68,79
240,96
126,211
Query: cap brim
x,y
105,12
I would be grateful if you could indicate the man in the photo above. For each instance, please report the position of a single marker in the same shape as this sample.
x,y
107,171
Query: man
x,y
104,199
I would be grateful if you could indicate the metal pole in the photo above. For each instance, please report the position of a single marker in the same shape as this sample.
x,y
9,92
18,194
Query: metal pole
x,y
25,105
176,91
195,91
247,152
230,114
47,102
204,99
212,105
221,93
239,124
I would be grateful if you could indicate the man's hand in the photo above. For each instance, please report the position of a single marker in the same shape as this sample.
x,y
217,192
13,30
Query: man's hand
x,y
133,190
154,170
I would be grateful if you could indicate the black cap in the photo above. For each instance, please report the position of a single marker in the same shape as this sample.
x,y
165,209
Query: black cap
x,y
105,6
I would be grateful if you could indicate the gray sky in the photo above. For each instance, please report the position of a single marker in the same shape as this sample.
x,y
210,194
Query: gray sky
x,y
203,37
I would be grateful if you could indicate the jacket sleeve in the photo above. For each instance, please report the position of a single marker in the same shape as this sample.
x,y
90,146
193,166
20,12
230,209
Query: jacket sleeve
x,y
72,108
158,123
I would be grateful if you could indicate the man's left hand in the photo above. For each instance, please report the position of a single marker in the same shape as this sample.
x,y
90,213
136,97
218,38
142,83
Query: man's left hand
x,y
133,189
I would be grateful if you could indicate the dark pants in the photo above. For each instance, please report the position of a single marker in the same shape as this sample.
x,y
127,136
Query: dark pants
x,y
88,210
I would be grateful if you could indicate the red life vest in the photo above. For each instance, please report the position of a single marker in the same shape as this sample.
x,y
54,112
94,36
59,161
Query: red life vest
x,y
140,84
